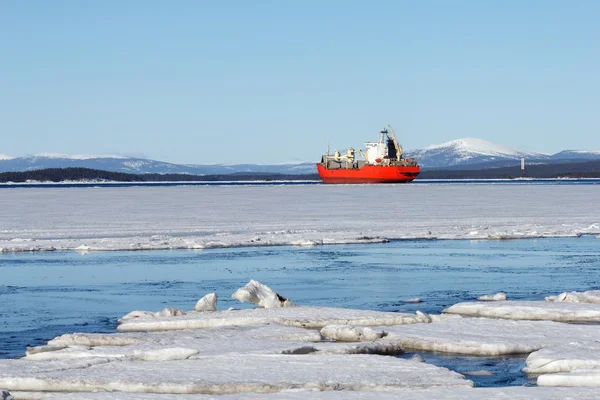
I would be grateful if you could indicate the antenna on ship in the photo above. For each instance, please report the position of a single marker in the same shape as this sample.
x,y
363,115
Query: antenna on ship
x,y
328,147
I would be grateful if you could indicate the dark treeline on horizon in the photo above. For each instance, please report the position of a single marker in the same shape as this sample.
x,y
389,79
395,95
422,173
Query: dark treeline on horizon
x,y
87,174
589,169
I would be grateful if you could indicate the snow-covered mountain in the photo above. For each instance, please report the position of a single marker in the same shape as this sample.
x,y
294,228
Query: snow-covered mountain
x,y
467,153
470,151
142,166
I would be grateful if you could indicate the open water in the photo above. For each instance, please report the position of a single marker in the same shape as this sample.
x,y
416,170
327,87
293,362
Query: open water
x,y
46,294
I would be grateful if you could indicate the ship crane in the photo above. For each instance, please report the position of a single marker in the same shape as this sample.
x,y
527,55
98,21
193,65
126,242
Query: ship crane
x,y
397,145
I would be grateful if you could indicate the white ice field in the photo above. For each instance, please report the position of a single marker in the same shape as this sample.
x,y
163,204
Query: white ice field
x,y
303,352
288,351
200,217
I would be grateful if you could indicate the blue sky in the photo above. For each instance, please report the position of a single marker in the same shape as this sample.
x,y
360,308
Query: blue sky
x,y
272,81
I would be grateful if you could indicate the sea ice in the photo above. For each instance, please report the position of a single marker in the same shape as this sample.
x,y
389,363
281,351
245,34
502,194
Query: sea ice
x,y
261,295
564,358
346,333
167,312
233,374
207,303
529,310
178,345
578,377
299,316
497,393
479,336
590,296
413,300
282,215
500,296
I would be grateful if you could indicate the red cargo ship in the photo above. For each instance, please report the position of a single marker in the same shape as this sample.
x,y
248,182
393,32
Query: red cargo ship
x,y
383,163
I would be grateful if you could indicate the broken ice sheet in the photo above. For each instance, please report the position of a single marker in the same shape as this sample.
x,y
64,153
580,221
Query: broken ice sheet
x,y
529,310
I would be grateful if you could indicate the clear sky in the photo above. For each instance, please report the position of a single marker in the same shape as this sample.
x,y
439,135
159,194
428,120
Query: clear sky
x,y
272,81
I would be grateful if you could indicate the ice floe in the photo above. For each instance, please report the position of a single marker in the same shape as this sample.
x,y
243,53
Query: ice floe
x,y
346,333
500,296
167,312
590,296
261,295
529,310
284,215
578,377
502,393
207,303
413,300
565,357
480,336
247,339
299,316
232,374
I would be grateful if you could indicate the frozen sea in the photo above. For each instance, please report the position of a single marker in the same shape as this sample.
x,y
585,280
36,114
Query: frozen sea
x,y
365,247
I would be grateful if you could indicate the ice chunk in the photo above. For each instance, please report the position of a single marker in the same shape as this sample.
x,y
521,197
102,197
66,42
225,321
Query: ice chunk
x,y
92,339
207,303
564,358
261,295
417,358
300,316
481,372
346,333
529,310
579,377
500,296
169,312
234,373
413,300
483,336
422,317
166,312
5,395
590,296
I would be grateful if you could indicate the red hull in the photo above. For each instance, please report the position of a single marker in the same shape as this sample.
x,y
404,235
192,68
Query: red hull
x,y
369,174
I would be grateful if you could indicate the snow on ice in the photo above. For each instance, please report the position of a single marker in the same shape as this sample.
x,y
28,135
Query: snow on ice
x,y
486,337
565,357
590,296
232,374
280,215
516,393
529,310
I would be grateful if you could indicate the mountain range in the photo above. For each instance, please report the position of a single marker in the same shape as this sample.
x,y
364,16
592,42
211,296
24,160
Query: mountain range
x,y
467,153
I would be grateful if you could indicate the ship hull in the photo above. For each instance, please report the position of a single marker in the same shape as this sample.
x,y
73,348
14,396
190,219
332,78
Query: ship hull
x,y
369,174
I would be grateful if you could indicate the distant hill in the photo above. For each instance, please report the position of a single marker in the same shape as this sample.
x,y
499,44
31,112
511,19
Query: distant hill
x,y
467,153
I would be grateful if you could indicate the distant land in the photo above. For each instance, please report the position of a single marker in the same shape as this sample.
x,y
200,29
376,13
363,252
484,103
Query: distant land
x,y
588,169
461,154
